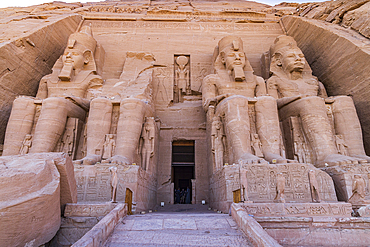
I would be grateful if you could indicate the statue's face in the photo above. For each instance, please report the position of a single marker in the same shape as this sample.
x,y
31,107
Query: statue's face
x,y
74,56
232,58
292,60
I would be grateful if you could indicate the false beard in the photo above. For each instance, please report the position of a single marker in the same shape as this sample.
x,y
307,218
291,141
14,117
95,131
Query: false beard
x,y
238,73
66,72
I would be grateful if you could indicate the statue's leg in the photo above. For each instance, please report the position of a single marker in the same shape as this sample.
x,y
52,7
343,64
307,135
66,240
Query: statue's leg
x,y
347,124
317,128
147,161
268,128
98,125
19,125
130,123
237,127
52,121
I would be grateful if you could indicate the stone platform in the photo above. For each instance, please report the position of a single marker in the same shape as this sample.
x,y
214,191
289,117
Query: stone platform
x,y
162,229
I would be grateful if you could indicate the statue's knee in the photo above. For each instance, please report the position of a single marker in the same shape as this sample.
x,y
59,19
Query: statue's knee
x,y
54,102
266,101
312,102
100,103
343,102
132,104
23,102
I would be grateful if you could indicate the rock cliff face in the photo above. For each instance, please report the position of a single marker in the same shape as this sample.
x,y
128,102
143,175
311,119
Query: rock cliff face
x,y
30,200
352,14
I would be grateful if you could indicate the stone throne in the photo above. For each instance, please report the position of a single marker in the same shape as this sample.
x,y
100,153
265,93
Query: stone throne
x,y
246,147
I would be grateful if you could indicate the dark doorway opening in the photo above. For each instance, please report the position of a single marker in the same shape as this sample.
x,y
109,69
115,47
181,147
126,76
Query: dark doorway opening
x,y
183,163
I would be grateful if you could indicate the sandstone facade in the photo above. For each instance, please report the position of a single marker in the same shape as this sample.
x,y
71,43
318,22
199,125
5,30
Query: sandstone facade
x,y
224,98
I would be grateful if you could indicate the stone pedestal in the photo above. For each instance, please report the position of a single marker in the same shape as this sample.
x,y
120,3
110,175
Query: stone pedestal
x,y
94,184
343,177
262,183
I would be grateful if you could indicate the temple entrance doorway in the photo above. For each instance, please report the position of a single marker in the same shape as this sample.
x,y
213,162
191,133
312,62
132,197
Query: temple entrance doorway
x,y
182,170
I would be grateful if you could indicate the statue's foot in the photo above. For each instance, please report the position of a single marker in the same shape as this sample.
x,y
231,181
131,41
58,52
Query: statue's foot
x,y
90,159
249,159
120,160
336,160
362,159
275,158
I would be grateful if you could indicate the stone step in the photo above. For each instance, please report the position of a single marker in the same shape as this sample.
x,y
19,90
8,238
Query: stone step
x,y
177,229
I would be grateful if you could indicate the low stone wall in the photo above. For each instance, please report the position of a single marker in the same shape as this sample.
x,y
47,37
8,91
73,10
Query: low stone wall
x,y
251,228
101,231
317,231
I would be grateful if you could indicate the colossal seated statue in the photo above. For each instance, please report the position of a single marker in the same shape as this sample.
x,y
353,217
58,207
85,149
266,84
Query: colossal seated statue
x,y
64,93
131,96
300,95
229,92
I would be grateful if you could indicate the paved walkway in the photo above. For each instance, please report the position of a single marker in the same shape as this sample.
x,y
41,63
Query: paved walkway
x,y
177,229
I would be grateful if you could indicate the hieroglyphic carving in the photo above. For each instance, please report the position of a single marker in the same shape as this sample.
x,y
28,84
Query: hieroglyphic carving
x,y
298,209
162,78
94,183
117,9
262,188
343,177
250,27
199,71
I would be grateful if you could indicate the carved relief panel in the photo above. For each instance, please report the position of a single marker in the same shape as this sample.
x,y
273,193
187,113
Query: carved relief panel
x,y
181,85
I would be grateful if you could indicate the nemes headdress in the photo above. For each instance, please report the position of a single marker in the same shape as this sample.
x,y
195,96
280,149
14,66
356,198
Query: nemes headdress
x,y
82,40
234,42
282,41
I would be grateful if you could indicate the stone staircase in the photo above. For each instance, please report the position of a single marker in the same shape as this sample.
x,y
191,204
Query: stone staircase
x,y
178,225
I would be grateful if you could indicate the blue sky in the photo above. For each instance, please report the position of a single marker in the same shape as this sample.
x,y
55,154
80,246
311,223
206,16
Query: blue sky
x,y
25,3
